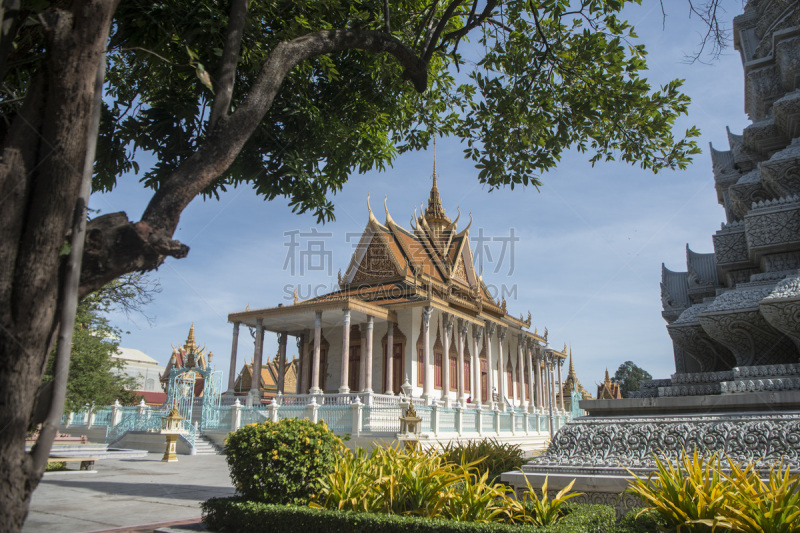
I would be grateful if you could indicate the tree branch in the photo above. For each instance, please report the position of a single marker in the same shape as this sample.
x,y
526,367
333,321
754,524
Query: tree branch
x,y
227,139
430,42
230,57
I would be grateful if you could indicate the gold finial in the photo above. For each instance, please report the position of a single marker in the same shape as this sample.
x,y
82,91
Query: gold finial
x,y
371,215
435,212
296,297
608,379
386,208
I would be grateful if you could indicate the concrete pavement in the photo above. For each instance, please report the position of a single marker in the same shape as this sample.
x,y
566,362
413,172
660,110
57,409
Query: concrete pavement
x,y
126,493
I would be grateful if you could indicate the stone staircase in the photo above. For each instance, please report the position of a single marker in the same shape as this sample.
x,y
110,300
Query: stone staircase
x,y
205,446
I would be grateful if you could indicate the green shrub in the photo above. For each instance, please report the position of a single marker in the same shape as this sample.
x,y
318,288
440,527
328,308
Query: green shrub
x,y
281,462
59,466
544,510
498,458
235,515
641,521
756,506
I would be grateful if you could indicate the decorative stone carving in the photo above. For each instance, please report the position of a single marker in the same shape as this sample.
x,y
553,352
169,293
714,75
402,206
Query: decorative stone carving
x,y
774,225
701,377
601,442
707,354
730,246
781,308
734,320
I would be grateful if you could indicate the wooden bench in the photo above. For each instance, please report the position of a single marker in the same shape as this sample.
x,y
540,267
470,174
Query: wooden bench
x,y
87,463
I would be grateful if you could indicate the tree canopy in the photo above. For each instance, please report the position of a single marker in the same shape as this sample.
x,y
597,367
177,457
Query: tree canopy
x,y
629,377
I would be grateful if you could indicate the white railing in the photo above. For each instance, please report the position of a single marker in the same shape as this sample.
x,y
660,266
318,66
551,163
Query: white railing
x,y
353,413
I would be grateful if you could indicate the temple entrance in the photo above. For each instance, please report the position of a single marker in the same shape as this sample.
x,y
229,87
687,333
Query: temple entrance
x,y
484,380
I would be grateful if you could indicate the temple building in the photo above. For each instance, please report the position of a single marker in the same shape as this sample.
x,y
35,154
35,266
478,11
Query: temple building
x,y
189,356
573,384
410,306
608,390
268,385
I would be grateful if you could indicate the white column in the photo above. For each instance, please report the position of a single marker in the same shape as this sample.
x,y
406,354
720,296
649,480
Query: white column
x,y
315,361
234,349
448,331
560,363
301,366
344,387
531,379
501,367
490,384
368,363
255,383
389,359
462,334
282,361
537,374
427,387
477,334
362,367
521,372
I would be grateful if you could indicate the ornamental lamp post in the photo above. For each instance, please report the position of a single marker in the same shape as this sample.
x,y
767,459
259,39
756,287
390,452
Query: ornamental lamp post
x,y
171,428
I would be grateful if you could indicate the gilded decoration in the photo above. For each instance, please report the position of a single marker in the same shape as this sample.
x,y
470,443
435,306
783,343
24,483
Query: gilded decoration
x,y
376,263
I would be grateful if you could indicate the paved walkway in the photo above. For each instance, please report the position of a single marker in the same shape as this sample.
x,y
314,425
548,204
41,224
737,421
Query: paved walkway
x,y
127,493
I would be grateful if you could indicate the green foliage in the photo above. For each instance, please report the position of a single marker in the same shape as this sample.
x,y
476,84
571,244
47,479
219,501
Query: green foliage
x,y
697,495
757,506
55,467
641,521
281,462
397,481
94,376
489,455
543,510
234,515
546,79
629,377
391,480
689,496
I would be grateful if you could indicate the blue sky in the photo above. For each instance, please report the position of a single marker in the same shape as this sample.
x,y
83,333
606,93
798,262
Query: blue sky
x,y
587,264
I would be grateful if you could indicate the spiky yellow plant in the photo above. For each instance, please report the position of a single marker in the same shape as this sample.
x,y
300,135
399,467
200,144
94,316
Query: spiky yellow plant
x,y
756,506
690,496
542,511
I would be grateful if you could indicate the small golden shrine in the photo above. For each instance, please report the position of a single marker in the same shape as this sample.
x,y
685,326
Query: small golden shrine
x,y
171,428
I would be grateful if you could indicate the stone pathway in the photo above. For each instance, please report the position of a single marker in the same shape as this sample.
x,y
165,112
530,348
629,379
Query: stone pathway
x,y
129,495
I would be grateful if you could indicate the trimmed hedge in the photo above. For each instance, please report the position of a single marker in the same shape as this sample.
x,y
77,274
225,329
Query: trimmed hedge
x,y
234,515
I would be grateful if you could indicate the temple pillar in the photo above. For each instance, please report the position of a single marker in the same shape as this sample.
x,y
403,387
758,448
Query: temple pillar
x,y
477,333
254,396
389,359
362,370
560,363
531,378
344,388
368,361
315,361
234,349
448,331
537,375
462,337
427,384
521,371
502,393
301,365
282,361
490,385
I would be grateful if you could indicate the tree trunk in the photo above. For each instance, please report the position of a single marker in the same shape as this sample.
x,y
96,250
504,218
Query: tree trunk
x,y
40,177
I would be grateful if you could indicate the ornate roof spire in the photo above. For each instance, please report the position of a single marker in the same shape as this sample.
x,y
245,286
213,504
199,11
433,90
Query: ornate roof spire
x,y
571,373
434,214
